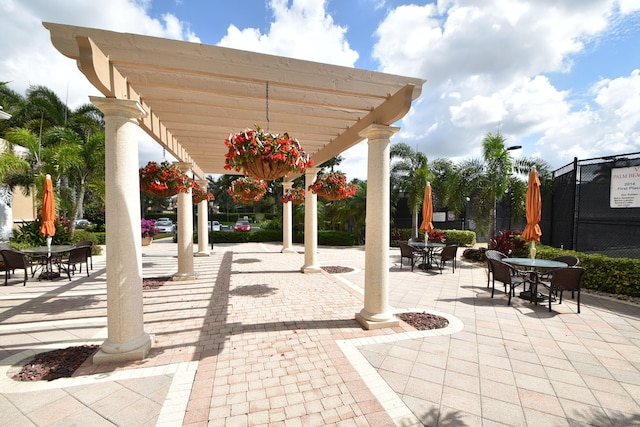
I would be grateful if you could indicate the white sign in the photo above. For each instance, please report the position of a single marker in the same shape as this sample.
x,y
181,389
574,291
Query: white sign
x,y
439,216
625,187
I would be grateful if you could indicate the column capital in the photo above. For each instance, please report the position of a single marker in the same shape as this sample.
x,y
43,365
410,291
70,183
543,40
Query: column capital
x,y
287,185
183,166
111,106
311,171
375,131
203,182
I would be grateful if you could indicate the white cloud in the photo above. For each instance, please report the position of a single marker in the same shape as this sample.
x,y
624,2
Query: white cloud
x,y
486,65
302,30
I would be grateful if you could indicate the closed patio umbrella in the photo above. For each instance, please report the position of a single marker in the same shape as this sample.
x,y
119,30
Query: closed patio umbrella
x,y
532,231
427,211
48,228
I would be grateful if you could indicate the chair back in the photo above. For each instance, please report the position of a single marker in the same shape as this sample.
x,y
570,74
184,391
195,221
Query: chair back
x,y
491,253
570,260
501,271
13,259
405,250
567,278
79,254
449,252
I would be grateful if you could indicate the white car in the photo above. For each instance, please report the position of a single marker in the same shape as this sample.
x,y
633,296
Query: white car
x,y
165,226
214,225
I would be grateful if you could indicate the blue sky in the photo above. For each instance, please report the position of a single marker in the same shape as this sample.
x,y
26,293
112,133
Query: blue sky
x,y
559,77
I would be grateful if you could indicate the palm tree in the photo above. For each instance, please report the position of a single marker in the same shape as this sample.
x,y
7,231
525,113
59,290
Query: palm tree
x,y
410,174
492,177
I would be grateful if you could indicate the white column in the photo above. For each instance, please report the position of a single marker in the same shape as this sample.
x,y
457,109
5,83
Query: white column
x,y
185,231
377,312
126,338
287,221
203,223
310,225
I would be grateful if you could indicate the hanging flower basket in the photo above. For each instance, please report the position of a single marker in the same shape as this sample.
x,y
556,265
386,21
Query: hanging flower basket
x,y
333,186
247,190
200,194
164,180
295,195
264,155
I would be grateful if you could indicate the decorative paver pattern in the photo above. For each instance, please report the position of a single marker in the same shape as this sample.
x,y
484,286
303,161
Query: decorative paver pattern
x,y
253,341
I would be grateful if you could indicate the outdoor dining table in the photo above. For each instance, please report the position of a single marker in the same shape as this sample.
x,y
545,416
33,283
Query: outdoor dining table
x,y
428,248
534,267
46,255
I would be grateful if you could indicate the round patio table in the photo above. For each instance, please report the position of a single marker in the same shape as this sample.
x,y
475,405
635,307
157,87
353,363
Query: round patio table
x,y
46,254
428,248
534,267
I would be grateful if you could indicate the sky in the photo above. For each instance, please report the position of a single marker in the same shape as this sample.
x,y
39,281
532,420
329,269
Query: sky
x,y
560,78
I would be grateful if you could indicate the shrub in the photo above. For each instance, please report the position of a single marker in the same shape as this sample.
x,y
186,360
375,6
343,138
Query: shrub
x,y
87,235
28,235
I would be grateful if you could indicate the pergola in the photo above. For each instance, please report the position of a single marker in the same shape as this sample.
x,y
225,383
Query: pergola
x,y
189,97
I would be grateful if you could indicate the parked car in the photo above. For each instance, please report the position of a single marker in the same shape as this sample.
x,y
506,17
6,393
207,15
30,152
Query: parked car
x,y
214,225
242,226
164,219
82,223
165,226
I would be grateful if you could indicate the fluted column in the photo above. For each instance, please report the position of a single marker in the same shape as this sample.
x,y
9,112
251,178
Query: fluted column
x,y
203,222
126,338
310,224
185,231
377,312
287,227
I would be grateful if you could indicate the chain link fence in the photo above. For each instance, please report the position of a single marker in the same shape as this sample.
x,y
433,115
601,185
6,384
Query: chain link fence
x,y
580,214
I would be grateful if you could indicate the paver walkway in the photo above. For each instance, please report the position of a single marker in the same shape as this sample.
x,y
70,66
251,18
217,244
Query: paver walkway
x,y
252,341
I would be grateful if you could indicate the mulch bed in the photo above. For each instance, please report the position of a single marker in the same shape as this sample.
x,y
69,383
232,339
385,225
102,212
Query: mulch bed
x,y
336,269
423,321
63,363
154,282
55,364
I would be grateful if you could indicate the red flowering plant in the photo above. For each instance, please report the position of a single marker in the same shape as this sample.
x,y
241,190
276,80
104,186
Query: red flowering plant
x,y
436,236
164,180
200,194
295,195
264,155
247,189
333,186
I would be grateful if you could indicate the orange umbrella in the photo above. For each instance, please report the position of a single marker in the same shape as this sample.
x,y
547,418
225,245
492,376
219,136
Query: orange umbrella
x,y
48,227
427,210
532,231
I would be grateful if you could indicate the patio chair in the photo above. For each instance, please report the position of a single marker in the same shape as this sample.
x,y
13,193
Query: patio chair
x,y
570,260
565,279
494,255
506,274
407,251
448,253
90,244
77,256
14,260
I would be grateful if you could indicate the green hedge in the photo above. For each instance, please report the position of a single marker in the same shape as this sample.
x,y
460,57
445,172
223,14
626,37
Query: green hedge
x,y
462,237
325,237
620,276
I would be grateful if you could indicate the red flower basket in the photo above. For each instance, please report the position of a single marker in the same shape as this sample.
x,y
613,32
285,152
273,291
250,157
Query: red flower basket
x,y
295,195
333,186
264,155
164,180
247,190
200,194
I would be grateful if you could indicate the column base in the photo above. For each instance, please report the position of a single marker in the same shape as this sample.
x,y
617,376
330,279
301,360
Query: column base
x,y
184,276
139,353
288,251
310,269
202,253
375,323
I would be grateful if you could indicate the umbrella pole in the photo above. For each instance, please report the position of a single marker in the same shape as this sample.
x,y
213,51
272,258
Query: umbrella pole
x,y
532,251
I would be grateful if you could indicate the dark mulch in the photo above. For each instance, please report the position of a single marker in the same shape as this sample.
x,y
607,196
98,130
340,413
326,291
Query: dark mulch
x,y
336,269
55,364
154,282
423,321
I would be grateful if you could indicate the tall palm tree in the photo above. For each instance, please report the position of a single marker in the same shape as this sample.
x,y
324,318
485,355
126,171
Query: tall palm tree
x,y
410,174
